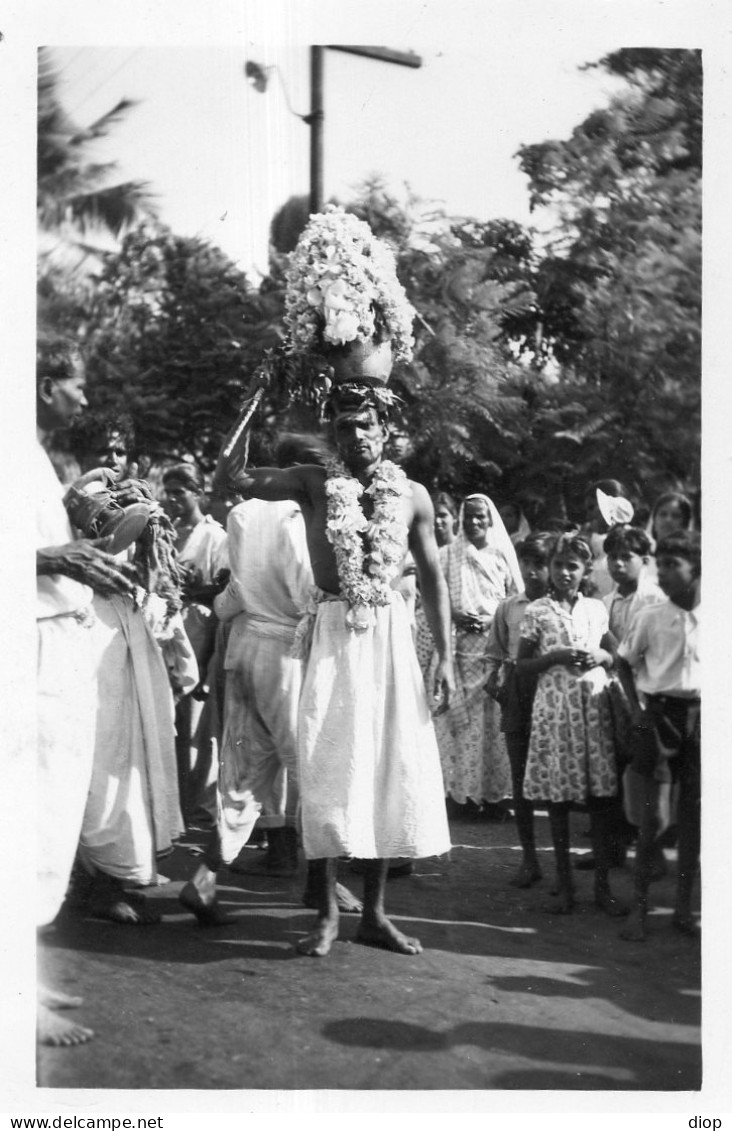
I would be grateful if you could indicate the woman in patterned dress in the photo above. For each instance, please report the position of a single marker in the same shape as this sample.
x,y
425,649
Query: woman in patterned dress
x,y
565,638
481,568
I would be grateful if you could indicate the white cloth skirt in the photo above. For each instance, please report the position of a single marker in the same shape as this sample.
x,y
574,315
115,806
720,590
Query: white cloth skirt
x,y
66,711
370,778
132,810
258,770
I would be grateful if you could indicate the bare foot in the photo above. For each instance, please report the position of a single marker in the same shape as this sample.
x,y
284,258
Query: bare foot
x,y
383,933
58,1032
129,909
320,938
55,999
208,912
527,875
635,929
346,900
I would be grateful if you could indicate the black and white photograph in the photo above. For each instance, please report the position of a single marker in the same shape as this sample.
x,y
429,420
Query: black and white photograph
x,y
356,750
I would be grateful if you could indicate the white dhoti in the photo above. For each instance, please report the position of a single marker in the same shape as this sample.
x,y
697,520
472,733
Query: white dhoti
x,y
258,771
132,811
65,725
370,778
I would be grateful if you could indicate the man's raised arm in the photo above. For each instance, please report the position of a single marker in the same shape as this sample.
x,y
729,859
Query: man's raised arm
x,y
270,483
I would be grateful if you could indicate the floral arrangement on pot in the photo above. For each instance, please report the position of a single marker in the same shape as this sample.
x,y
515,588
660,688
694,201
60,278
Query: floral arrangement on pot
x,y
342,287
347,316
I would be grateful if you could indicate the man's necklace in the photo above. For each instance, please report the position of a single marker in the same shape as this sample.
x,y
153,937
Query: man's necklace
x,y
368,552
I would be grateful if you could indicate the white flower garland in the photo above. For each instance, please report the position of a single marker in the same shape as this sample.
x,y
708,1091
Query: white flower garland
x,y
339,275
366,565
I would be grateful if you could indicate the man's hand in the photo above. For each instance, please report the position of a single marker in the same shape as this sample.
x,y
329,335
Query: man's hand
x,y
492,685
567,657
595,658
129,491
443,687
88,562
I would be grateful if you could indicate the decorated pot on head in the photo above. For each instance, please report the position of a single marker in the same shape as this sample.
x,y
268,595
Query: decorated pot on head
x,y
94,511
344,302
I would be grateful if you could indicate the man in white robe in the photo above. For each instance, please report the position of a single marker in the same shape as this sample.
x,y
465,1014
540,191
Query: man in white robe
x,y
268,591
370,779
68,572
132,811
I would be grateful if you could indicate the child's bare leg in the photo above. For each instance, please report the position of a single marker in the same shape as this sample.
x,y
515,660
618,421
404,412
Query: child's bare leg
x,y
603,824
689,844
645,855
375,928
322,884
559,822
529,871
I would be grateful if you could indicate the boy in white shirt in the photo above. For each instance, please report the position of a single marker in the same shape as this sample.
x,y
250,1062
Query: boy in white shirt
x,y
661,650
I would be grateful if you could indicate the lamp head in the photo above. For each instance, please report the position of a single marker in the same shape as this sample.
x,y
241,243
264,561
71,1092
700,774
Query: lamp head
x,y
256,75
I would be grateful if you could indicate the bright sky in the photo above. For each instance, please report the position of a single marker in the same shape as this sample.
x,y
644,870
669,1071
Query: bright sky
x,y
222,157
496,74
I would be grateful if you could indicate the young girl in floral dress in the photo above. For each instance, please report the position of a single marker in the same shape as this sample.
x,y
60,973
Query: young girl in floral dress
x,y
565,639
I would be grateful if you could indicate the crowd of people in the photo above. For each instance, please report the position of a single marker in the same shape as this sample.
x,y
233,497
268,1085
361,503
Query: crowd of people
x,y
344,665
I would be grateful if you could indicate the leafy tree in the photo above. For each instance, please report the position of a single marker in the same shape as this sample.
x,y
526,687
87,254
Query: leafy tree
x,y
467,281
619,288
464,407
78,197
175,333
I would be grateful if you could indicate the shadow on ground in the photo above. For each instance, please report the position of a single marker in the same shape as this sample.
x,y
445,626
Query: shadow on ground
x,y
504,996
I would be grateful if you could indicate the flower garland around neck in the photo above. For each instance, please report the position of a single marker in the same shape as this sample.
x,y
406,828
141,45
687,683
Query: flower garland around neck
x,y
368,552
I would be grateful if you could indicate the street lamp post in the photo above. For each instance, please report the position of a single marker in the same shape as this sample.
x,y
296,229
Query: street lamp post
x,y
257,75
317,119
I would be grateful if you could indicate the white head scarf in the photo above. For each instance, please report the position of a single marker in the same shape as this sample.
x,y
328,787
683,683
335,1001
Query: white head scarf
x,y
498,538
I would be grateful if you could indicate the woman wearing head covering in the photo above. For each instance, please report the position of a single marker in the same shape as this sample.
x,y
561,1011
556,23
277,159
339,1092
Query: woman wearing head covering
x,y
481,569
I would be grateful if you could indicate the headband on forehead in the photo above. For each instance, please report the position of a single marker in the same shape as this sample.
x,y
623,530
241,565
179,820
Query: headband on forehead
x,y
357,397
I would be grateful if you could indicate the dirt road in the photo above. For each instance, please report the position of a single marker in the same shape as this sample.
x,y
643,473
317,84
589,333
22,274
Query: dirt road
x,y
503,997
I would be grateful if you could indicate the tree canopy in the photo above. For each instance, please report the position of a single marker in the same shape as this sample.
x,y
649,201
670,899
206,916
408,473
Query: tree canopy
x,y
540,364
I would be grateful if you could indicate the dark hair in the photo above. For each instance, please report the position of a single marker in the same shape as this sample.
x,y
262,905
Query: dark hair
x,y
682,544
301,447
535,547
443,499
90,433
570,543
612,487
187,474
626,537
57,357
685,504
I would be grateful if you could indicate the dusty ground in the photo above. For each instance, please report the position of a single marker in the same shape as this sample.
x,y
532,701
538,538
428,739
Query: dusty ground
x,y
504,996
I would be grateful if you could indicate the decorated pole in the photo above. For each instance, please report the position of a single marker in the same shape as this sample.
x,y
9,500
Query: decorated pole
x,y
247,412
